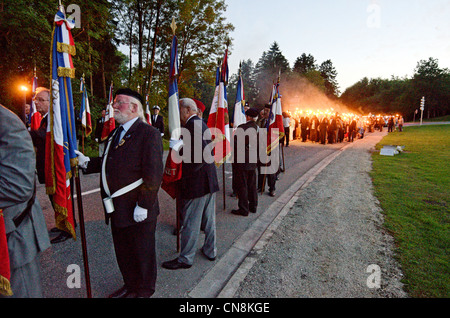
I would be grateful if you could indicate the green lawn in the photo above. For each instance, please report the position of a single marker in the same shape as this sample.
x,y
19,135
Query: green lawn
x,y
413,189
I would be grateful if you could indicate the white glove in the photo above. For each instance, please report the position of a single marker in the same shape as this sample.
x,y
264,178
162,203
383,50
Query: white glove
x,y
175,145
140,214
82,160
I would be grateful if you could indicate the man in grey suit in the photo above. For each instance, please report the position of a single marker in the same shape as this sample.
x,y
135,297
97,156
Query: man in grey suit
x,y
198,187
25,226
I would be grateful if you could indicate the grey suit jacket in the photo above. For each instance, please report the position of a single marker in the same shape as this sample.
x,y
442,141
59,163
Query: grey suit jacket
x,y
17,183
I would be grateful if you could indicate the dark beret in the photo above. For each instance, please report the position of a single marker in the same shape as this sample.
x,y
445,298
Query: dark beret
x,y
252,112
268,106
131,93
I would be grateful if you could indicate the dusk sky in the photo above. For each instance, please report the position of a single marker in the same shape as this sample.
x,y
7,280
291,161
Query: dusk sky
x,y
363,38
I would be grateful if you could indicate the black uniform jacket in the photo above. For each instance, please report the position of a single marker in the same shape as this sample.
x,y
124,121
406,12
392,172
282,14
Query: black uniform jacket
x,y
198,179
138,156
158,123
246,155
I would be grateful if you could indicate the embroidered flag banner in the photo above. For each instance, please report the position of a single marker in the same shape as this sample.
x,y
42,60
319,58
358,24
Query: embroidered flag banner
x,y
173,169
275,126
5,267
61,132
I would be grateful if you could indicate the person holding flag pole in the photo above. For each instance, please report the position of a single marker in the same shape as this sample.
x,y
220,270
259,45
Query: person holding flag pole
x,y
61,144
275,132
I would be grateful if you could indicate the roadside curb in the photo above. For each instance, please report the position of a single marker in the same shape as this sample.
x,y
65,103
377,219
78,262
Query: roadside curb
x,y
223,280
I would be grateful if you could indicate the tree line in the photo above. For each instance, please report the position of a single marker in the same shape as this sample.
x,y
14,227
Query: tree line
x,y
403,95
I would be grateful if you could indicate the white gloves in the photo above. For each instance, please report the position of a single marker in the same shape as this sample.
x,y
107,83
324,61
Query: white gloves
x,y
82,160
175,145
140,214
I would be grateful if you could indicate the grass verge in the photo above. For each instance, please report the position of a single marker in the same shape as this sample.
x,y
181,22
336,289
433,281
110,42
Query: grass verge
x,y
413,190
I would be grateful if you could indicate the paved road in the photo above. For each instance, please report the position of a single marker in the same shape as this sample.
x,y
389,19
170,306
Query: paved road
x,y
205,278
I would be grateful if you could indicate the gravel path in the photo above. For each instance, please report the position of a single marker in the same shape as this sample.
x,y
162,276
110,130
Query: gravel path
x,y
333,233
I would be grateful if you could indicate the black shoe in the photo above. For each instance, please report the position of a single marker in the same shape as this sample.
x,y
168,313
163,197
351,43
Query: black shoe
x,y
272,193
175,264
64,236
253,210
212,259
233,195
55,230
238,212
121,293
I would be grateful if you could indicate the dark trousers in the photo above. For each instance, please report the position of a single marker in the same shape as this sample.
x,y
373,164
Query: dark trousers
x,y
271,180
246,190
287,133
136,256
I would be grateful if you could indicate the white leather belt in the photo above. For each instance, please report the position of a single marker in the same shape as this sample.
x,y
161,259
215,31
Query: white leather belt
x,y
108,202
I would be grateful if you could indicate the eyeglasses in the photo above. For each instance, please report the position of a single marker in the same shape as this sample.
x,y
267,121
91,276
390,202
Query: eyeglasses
x,y
120,103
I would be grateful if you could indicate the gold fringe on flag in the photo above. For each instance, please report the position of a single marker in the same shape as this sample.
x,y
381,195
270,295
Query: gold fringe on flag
x,y
66,48
5,287
66,72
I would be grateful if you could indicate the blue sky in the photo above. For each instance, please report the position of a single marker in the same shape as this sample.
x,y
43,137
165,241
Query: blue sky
x,y
363,38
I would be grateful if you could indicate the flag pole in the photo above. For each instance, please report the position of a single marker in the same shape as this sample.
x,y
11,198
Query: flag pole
x,y
83,233
83,131
173,26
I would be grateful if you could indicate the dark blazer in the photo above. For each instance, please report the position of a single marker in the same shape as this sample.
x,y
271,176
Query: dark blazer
x,y
198,179
158,124
17,185
140,156
250,148
38,137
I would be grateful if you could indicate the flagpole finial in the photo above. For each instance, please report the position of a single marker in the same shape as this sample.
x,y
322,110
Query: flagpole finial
x,y
173,26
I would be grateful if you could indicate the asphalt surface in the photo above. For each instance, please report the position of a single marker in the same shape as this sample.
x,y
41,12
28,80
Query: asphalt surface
x,y
63,263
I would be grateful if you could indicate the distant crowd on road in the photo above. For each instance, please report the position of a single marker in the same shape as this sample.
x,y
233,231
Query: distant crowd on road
x,y
336,128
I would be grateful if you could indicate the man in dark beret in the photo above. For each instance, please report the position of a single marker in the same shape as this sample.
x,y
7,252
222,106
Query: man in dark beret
x,y
245,163
131,175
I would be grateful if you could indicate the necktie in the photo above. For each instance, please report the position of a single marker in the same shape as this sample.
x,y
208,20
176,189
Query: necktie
x,y
117,137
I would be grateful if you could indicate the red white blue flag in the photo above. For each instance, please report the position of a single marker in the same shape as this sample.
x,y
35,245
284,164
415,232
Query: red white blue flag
x,y
85,111
148,113
239,112
110,123
61,132
35,117
275,125
173,169
219,121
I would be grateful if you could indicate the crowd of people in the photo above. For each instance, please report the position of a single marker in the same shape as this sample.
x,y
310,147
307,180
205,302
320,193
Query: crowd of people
x,y
329,128
131,169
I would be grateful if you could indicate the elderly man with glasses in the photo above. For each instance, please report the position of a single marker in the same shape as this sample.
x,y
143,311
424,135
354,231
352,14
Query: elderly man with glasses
x,y
131,172
42,102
